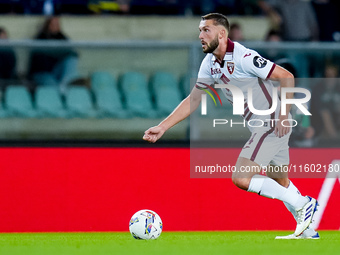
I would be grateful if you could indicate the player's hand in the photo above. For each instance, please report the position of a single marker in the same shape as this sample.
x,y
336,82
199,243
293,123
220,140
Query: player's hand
x,y
153,134
281,130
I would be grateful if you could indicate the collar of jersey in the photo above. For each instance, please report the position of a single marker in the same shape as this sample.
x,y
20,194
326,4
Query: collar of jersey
x,y
228,55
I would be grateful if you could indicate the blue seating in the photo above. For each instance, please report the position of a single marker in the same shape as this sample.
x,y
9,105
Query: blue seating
x,y
166,92
49,103
107,96
185,85
137,96
18,102
79,102
102,79
134,96
3,113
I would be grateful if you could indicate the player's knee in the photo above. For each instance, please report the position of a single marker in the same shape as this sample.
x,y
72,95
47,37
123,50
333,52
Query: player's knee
x,y
242,183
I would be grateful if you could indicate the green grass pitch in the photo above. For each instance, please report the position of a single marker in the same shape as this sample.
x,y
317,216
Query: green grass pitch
x,y
255,242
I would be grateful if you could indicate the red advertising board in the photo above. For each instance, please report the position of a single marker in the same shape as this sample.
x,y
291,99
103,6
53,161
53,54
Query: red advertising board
x,y
99,189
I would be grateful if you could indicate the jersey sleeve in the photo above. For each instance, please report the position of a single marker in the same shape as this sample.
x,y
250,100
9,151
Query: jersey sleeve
x,y
254,64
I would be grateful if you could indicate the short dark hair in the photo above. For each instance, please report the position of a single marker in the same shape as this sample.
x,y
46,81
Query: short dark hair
x,y
219,19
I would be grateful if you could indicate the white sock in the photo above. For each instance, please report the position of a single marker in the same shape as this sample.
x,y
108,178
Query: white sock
x,y
267,187
290,208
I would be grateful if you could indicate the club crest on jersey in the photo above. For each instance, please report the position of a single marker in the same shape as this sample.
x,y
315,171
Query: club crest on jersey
x,y
230,67
215,71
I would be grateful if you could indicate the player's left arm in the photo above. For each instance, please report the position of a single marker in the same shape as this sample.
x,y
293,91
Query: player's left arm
x,y
286,79
252,63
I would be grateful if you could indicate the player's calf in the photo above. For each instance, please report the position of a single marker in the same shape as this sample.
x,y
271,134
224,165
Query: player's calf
x,y
278,174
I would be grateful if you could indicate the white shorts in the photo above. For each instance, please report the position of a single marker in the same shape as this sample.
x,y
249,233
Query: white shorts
x,y
264,148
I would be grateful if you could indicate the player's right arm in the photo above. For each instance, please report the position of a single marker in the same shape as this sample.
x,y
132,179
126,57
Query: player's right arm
x,y
181,112
184,109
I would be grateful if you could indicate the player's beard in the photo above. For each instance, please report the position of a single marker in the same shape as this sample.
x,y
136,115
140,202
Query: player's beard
x,y
212,46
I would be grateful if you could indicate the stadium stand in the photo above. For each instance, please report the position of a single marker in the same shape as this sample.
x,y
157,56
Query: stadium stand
x,y
49,103
107,96
79,102
137,97
134,54
18,102
185,85
166,93
3,112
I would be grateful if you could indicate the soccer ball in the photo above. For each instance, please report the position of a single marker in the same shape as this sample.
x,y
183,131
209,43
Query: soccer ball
x,y
145,224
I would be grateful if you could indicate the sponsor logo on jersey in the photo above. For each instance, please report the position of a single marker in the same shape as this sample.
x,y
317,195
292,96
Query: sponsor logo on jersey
x,y
259,62
230,67
247,55
215,71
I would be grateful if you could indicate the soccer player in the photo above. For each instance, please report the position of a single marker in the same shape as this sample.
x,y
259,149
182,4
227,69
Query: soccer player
x,y
230,62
